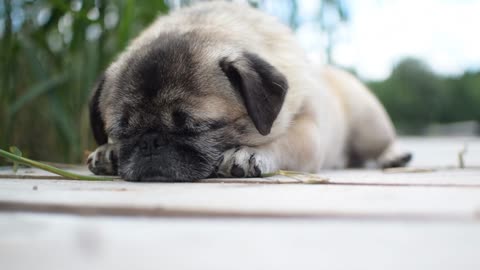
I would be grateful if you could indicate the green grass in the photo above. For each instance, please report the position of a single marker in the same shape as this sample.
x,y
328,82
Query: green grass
x,y
49,62
16,158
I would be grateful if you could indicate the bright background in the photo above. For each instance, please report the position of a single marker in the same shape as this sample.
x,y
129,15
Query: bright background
x,y
380,33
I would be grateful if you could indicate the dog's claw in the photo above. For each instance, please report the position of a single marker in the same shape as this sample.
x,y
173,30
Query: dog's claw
x,y
244,162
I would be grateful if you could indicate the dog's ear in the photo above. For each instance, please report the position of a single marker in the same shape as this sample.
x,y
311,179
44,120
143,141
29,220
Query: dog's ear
x,y
96,121
262,87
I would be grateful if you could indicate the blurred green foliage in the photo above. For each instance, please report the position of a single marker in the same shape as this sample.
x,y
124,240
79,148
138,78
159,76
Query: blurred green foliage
x,y
51,52
415,97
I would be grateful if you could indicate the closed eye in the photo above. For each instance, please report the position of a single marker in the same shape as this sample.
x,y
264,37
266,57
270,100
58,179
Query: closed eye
x,y
202,127
218,124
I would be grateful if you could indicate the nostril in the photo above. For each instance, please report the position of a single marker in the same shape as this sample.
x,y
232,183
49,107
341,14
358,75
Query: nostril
x,y
143,146
156,144
150,143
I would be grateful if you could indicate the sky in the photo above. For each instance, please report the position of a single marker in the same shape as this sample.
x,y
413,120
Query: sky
x,y
443,33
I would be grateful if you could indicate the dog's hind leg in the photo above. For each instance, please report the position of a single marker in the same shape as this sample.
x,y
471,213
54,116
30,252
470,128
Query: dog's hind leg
x,y
372,135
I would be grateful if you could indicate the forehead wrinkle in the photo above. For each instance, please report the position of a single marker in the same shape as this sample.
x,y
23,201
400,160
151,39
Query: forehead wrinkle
x,y
165,67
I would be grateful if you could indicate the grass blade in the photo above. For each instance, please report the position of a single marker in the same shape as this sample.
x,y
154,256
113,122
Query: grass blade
x,y
305,178
48,168
14,150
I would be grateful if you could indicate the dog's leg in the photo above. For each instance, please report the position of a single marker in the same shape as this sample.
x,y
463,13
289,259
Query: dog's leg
x,y
373,138
392,157
299,149
372,134
104,160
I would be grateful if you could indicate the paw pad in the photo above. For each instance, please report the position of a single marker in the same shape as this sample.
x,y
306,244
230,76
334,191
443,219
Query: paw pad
x,y
236,171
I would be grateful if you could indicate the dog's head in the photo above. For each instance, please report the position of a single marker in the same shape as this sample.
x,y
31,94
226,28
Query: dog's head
x,y
175,105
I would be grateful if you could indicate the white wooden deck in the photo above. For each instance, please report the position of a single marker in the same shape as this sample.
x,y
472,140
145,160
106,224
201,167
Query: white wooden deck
x,y
425,218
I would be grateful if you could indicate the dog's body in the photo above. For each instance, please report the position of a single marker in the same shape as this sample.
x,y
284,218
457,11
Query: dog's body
x,y
223,89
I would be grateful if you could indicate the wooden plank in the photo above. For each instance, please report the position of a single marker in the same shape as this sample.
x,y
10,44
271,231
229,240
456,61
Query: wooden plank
x,y
304,200
442,177
67,242
362,219
469,177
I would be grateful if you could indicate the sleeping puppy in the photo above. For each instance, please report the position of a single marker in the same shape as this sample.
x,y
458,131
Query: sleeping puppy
x,y
221,89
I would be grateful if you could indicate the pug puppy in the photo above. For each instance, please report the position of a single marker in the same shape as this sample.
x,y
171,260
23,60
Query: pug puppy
x,y
222,89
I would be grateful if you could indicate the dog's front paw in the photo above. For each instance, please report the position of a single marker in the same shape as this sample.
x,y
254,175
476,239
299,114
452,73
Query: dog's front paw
x,y
104,160
245,161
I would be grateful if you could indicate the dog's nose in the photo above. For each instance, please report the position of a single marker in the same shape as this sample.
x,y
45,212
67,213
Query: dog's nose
x,y
149,144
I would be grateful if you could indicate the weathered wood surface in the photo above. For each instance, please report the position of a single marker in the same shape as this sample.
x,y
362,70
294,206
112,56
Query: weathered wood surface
x,y
428,218
69,242
215,199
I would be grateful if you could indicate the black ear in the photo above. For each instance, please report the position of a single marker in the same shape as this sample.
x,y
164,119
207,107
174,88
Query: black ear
x,y
262,87
96,121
